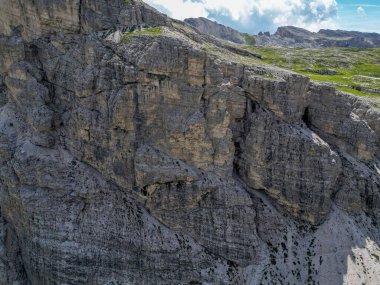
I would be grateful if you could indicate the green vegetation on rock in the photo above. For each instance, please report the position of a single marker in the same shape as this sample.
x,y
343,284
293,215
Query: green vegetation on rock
x,y
128,2
348,69
148,31
249,40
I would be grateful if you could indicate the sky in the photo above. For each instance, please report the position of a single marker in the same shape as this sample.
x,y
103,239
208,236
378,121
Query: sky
x,y
253,16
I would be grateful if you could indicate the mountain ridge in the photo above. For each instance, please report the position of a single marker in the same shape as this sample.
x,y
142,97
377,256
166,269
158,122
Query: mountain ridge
x,y
290,36
135,149
215,29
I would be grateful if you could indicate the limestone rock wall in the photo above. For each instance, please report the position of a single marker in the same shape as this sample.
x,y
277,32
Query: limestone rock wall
x,y
153,161
35,18
217,30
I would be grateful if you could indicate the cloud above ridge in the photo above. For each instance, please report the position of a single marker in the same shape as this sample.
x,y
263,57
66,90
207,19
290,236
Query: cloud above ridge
x,y
255,15
361,11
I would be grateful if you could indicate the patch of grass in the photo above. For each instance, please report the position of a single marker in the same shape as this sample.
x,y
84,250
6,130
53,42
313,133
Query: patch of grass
x,y
148,31
352,70
132,1
356,92
249,40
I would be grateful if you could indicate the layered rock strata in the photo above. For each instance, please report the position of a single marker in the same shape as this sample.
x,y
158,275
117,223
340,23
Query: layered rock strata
x,y
157,159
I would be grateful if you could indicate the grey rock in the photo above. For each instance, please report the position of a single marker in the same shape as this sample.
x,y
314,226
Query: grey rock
x,y
153,159
215,29
277,157
75,16
290,36
293,32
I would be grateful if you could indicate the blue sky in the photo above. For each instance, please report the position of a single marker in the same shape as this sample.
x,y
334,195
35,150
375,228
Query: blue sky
x,y
359,15
253,16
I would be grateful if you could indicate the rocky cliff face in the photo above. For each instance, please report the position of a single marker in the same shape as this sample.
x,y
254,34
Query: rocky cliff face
x,y
171,158
290,36
215,29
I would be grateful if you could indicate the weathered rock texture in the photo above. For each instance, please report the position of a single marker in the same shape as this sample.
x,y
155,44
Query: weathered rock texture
x,y
170,159
215,29
290,36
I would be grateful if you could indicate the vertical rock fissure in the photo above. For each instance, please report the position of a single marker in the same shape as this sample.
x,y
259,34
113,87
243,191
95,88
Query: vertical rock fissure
x,y
15,257
139,140
204,85
243,129
306,117
80,15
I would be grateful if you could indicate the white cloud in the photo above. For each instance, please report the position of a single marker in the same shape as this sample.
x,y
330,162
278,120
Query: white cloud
x,y
361,11
179,9
255,15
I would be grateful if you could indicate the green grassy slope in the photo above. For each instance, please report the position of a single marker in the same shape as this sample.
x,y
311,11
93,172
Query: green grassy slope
x,y
148,31
352,70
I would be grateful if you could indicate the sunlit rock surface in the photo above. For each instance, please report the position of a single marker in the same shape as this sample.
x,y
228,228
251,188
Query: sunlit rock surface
x,y
172,158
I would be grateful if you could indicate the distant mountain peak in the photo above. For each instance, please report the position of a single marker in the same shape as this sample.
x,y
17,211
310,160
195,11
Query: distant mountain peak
x,y
215,29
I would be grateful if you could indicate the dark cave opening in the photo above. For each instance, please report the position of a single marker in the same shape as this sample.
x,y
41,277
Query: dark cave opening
x,y
306,117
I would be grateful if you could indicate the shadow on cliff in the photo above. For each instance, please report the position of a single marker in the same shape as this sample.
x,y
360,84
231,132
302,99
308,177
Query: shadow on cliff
x,y
342,250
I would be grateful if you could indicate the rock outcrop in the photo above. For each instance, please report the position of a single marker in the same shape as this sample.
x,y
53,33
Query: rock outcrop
x,y
171,158
290,36
215,29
